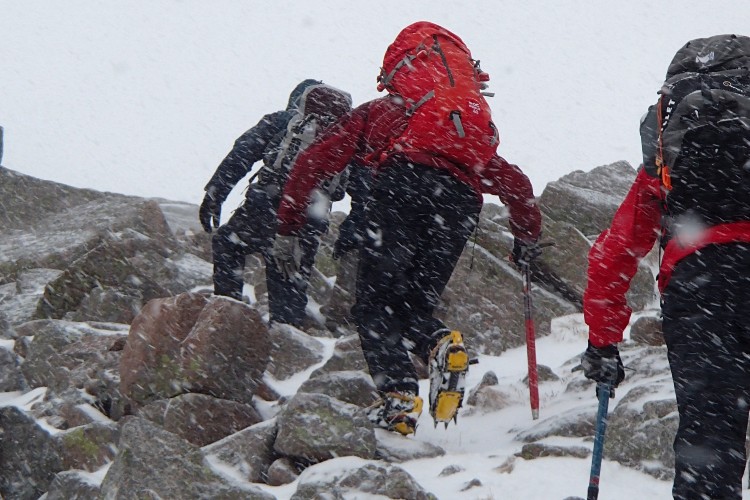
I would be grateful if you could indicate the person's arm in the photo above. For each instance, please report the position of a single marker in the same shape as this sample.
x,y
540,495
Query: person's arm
x,y
247,150
328,155
514,189
614,258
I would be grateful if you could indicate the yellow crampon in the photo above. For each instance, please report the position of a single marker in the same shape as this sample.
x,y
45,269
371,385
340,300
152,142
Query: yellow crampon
x,y
397,412
406,423
449,363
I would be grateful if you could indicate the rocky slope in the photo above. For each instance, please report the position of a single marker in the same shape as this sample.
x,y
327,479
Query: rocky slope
x,y
137,383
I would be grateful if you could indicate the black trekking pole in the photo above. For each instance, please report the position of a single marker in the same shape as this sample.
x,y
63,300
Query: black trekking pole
x,y
603,390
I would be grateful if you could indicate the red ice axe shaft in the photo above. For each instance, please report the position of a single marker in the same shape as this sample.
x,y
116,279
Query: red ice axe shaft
x,y
530,342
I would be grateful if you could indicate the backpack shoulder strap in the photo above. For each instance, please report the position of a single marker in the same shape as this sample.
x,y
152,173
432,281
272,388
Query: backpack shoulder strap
x,y
662,169
649,140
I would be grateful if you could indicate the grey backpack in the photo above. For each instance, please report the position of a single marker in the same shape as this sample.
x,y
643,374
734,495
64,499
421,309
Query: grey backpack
x,y
319,106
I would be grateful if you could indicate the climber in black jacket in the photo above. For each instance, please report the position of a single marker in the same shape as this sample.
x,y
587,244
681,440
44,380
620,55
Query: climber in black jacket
x,y
275,140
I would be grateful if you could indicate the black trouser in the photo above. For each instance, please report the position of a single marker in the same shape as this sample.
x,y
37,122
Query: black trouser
x,y
706,309
252,229
418,221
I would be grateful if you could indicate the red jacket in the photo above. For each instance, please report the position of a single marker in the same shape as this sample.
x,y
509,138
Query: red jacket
x,y
614,258
366,132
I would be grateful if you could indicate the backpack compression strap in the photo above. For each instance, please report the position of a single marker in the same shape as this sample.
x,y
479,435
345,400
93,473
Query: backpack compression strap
x,y
384,79
421,50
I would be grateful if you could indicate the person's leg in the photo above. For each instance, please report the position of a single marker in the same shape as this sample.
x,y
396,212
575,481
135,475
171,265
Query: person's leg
x,y
287,298
433,266
709,354
709,369
444,214
229,253
387,251
244,233
418,220
281,293
338,309
453,217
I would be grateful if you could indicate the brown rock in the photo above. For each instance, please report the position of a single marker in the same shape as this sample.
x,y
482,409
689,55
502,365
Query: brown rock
x,y
201,419
588,200
646,330
347,355
282,471
150,365
538,450
88,447
355,387
227,351
292,351
315,427
250,451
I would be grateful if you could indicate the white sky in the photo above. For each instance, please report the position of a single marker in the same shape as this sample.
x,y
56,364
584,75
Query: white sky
x,y
146,97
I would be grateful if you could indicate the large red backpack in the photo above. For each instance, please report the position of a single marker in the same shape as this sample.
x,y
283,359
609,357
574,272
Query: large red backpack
x,y
433,71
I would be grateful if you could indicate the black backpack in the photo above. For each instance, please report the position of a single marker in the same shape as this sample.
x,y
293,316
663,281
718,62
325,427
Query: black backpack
x,y
696,138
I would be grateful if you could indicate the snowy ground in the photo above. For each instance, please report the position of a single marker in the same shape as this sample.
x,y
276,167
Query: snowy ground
x,y
483,445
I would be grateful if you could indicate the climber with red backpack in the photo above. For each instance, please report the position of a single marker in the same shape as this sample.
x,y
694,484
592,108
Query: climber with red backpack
x,y
432,147
693,191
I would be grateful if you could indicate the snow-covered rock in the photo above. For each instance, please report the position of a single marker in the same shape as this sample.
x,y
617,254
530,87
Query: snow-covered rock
x,y
129,379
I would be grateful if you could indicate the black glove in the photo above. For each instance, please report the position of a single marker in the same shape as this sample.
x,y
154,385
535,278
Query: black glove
x,y
525,252
603,364
210,211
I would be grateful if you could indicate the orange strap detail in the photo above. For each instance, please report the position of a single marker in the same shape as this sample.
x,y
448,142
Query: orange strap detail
x,y
661,168
666,179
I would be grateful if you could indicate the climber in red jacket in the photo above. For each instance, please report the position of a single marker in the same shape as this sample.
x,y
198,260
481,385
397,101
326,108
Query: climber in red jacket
x,y
693,192
421,210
